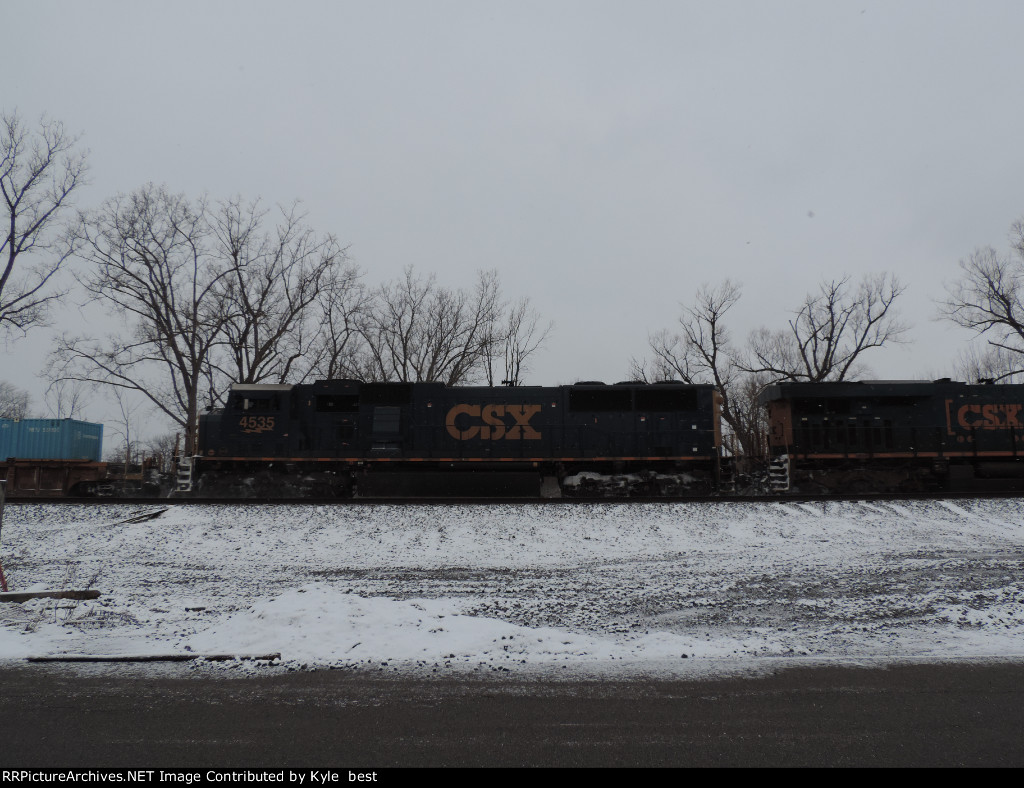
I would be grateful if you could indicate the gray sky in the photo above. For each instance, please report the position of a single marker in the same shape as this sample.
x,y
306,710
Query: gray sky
x,y
606,157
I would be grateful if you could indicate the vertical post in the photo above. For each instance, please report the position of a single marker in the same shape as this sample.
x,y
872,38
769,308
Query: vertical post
x,y
3,492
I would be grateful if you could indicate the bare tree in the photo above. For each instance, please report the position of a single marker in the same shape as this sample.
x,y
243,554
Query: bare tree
x,y
13,401
277,312
650,370
415,330
66,399
989,364
126,428
702,351
747,418
39,174
150,259
338,348
830,333
519,334
988,299
162,450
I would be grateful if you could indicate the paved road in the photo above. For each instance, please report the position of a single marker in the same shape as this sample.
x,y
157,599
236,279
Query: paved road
x,y
913,715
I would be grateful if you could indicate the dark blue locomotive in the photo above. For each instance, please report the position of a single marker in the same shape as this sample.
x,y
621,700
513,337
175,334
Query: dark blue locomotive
x,y
347,438
344,437
888,436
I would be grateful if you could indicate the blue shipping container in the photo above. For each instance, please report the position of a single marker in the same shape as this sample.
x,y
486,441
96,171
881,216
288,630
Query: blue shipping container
x,y
50,439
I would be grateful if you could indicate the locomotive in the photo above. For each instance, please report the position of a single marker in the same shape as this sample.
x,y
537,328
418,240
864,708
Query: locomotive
x,y
347,438
889,436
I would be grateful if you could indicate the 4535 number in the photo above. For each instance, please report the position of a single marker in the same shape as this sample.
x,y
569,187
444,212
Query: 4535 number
x,y
256,423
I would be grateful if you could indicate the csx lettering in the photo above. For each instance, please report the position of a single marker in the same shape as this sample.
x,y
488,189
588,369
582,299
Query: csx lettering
x,y
256,423
990,417
494,426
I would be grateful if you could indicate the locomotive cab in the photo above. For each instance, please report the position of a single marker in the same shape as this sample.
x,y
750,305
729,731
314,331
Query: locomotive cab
x,y
255,421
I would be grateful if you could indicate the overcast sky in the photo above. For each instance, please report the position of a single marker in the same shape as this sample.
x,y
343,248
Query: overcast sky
x,y
606,157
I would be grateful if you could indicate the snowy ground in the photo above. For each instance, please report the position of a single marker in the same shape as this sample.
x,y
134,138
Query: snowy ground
x,y
586,589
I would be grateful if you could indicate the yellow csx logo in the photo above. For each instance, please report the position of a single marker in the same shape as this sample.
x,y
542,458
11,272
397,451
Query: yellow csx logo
x,y
493,427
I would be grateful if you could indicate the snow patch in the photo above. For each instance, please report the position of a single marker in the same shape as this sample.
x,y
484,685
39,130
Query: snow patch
x,y
590,587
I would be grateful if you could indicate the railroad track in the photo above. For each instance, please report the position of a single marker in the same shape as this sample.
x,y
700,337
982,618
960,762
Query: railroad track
x,y
521,501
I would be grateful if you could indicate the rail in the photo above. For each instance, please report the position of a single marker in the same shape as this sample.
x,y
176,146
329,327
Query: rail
x,y
522,501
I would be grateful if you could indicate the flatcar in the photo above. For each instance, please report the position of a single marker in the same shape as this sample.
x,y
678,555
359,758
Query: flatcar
x,y
894,436
57,458
346,438
48,458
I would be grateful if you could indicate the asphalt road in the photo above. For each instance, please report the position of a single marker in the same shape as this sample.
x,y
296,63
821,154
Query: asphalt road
x,y
965,714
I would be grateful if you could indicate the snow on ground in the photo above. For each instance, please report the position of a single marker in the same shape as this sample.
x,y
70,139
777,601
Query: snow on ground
x,y
652,588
